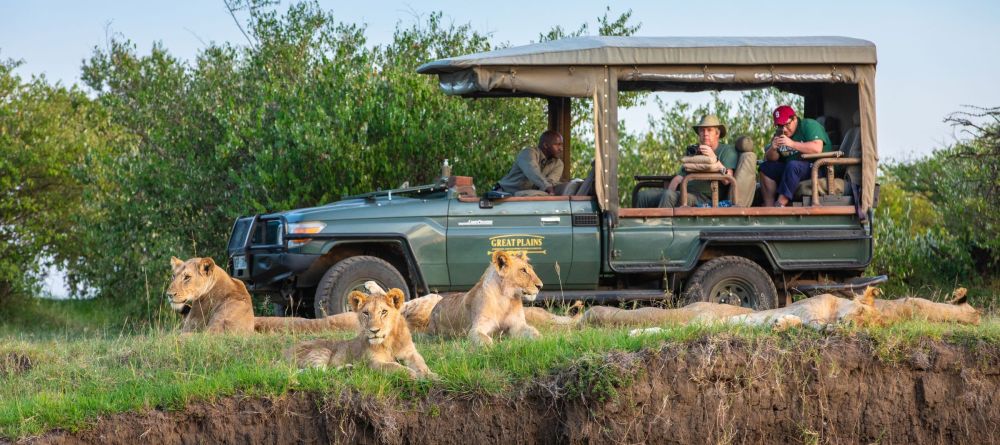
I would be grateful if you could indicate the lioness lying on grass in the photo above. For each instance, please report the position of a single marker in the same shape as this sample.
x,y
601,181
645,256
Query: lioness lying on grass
x,y
493,305
382,339
540,317
213,301
957,310
346,321
651,316
209,298
818,312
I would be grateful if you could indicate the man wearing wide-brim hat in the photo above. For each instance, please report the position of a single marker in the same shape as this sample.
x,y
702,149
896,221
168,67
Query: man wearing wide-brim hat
x,y
709,155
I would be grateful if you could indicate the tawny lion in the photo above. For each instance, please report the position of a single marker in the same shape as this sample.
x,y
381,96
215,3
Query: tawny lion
x,y
213,301
383,338
540,317
957,310
210,299
493,305
818,312
650,316
346,321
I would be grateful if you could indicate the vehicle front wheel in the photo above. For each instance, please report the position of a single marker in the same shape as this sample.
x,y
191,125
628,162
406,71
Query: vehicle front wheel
x,y
349,275
732,280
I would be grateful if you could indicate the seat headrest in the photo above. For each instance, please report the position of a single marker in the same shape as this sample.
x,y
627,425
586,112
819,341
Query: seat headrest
x,y
744,144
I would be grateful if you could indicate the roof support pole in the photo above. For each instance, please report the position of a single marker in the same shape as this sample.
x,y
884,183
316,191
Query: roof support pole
x,y
561,119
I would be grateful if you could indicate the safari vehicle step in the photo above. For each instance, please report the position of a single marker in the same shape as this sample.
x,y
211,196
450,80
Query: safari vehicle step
x,y
854,285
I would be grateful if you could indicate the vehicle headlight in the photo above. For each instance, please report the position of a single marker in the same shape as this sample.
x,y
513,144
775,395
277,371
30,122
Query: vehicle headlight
x,y
307,227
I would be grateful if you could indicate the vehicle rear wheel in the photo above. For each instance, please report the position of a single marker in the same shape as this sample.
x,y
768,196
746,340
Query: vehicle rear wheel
x,y
349,275
732,280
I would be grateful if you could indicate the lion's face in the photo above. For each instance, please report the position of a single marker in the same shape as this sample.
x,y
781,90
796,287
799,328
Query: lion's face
x,y
517,276
192,279
378,314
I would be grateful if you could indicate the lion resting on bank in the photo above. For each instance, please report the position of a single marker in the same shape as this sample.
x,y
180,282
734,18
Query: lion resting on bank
x,y
493,305
346,321
818,312
210,299
213,301
911,308
539,317
651,316
383,338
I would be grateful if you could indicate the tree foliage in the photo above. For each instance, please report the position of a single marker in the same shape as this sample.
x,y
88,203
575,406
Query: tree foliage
x,y
939,213
49,138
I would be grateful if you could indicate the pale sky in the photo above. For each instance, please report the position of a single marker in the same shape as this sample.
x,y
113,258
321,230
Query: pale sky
x,y
934,56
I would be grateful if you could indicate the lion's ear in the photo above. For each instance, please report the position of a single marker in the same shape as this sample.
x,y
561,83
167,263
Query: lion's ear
x,y
396,297
176,263
356,299
501,259
868,298
960,296
206,265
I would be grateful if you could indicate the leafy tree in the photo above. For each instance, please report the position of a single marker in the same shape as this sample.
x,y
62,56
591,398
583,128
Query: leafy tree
x,y
939,219
306,114
49,136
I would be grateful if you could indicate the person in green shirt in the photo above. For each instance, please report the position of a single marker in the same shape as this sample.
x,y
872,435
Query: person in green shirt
x,y
784,167
723,157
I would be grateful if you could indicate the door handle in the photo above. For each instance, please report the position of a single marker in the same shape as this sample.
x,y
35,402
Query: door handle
x,y
550,220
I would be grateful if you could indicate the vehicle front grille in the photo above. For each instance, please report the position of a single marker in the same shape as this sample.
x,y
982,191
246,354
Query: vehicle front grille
x,y
267,233
239,235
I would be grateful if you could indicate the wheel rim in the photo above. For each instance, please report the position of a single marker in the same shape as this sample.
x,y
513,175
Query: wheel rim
x,y
734,291
357,285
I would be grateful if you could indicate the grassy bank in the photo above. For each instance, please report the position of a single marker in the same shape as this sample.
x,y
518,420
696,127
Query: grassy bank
x,y
64,368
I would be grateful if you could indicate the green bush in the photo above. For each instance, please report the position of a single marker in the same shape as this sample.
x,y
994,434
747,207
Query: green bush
x,y
937,223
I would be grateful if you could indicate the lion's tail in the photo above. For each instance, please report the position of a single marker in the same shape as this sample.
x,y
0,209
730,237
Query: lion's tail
x,y
417,311
347,321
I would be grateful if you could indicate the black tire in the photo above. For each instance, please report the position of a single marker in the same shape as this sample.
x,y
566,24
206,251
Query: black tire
x,y
732,280
350,274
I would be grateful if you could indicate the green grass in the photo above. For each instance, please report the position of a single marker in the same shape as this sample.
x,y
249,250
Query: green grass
x,y
83,365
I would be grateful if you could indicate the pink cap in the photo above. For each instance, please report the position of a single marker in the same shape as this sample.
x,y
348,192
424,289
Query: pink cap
x,y
783,114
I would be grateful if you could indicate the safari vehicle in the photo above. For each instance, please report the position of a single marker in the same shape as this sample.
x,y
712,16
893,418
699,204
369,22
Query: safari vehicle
x,y
439,237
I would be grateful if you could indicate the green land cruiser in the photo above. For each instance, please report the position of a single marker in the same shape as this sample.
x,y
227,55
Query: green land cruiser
x,y
439,237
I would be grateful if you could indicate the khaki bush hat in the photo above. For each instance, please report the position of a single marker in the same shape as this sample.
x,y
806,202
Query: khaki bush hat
x,y
711,120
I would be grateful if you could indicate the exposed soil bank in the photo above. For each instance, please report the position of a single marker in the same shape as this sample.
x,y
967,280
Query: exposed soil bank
x,y
831,390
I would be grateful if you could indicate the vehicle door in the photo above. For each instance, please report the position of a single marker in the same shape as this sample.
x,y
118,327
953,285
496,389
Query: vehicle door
x,y
540,226
640,241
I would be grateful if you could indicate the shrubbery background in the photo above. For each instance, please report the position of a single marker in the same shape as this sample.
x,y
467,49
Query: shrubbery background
x,y
154,156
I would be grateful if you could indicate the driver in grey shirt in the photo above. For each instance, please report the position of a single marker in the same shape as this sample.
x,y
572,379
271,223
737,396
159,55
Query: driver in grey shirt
x,y
537,169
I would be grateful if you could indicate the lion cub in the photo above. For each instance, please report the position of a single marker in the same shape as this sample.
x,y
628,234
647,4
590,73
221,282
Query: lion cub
x,y
383,339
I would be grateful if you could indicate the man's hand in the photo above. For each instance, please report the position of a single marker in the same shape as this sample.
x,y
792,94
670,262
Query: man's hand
x,y
783,141
707,151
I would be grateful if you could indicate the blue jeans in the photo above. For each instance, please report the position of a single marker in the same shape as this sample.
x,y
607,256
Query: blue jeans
x,y
788,174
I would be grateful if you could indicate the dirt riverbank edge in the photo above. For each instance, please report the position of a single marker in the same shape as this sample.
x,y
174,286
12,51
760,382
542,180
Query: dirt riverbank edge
x,y
715,390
